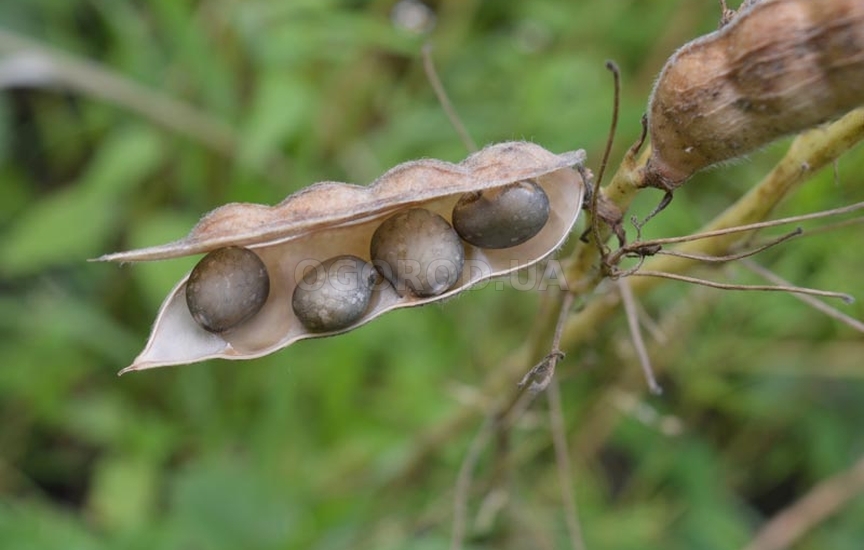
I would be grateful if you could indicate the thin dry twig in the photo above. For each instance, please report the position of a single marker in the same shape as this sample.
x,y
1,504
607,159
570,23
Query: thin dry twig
x,y
818,305
540,376
613,125
649,324
820,503
735,256
463,482
542,373
562,460
636,335
762,225
727,286
444,99
493,423
828,227
635,247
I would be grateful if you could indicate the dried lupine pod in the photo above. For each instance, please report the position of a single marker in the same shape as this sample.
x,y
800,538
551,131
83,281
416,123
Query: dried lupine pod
x,y
418,252
331,219
227,287
335,294
779,67
502,217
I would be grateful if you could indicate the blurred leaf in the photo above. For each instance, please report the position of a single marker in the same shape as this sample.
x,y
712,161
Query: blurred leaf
x,y
128,156
72,224
228,505
16,195
156,279
278,113
38,527
123,495
65,228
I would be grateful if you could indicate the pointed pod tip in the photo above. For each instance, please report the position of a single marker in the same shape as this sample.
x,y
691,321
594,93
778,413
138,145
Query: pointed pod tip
x,y
136,366
112,257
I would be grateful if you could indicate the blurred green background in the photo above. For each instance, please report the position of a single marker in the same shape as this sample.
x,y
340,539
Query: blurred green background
x,y
122,122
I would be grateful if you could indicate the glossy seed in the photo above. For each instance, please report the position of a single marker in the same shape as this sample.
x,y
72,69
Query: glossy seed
x,y
418,252
502,217
335,294
227,287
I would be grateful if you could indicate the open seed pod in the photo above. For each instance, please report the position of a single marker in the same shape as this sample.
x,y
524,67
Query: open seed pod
x,y
331,219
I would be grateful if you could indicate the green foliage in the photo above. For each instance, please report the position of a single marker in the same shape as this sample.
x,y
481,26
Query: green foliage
x,y
355,441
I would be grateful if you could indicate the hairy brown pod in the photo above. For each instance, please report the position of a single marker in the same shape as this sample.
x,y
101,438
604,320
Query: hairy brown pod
x,y
779,67
331,219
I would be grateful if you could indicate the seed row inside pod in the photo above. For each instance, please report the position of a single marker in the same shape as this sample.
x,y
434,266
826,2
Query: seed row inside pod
x,y
416,251
327,233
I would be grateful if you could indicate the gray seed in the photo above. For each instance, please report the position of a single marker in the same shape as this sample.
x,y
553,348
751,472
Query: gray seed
x,y
502,217
417,250
335,294
227,287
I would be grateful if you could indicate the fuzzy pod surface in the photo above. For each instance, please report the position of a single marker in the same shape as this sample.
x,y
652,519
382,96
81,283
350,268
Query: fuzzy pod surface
x,y
777,68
